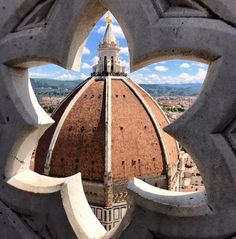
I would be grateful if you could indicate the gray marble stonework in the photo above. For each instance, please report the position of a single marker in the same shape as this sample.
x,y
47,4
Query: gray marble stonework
x,y
33,32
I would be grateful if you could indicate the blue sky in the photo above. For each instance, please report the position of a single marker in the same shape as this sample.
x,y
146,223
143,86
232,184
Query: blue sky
x,y
166,72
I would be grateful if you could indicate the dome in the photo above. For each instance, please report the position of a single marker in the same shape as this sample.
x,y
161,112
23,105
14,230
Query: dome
x,y
109,129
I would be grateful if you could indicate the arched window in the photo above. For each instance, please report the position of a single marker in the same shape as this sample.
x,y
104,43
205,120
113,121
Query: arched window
x,y
105,64
112,64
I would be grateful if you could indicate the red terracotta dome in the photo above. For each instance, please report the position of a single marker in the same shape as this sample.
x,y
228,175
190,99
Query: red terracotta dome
x,y
110,130
109,127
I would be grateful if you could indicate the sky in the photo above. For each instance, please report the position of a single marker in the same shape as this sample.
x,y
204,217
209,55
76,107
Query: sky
x,y
165,72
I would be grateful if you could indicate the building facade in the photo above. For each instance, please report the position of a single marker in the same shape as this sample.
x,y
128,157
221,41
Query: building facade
x,y
111,131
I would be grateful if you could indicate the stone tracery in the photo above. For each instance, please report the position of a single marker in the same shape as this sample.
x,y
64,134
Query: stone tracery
x,y
208,36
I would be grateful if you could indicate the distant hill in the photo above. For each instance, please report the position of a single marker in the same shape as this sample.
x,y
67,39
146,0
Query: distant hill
x,y
55,84
172,89
51,87
189,85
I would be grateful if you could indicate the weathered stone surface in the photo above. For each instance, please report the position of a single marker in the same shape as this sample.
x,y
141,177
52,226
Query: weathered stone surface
x,y
202,30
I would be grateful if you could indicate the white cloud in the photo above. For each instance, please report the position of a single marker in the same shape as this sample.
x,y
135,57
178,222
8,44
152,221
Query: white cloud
x,y
124,51
138,78
141,78
185,65
201,74
183,78
83,76
85,66
86,51
184,75
125,64
40,75
199,64
101,29
116,30
154,77
67,76
95,60
161,68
